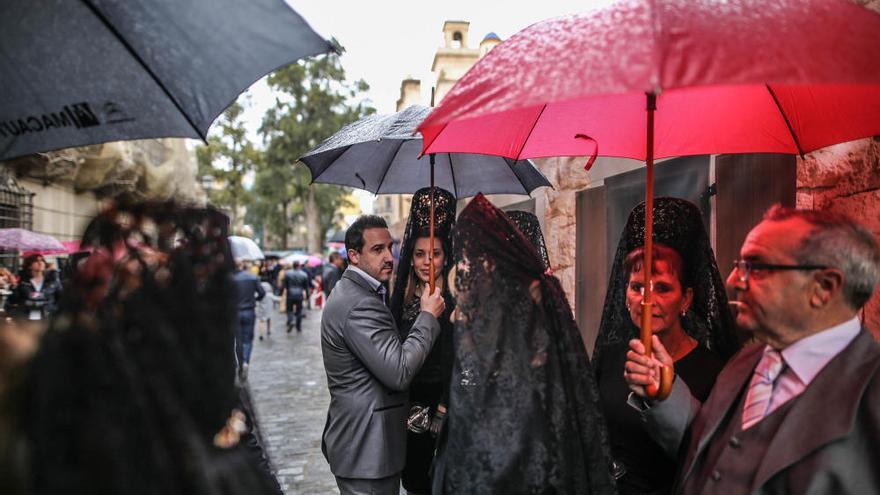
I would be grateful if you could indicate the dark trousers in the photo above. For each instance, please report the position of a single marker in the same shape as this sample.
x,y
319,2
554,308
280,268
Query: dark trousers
x,y
294,306
244,336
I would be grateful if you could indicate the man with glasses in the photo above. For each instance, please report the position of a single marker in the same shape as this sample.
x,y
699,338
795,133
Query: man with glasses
x,y
798,412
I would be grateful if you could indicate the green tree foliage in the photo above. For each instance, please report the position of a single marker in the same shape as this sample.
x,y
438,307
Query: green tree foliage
x,y
315,100
227,158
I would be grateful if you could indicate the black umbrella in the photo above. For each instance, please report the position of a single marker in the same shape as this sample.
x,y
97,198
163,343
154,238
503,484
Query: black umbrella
x,y
379,153
78,72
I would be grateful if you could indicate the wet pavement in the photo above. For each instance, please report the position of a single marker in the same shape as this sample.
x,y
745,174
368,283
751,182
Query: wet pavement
x,y
289,387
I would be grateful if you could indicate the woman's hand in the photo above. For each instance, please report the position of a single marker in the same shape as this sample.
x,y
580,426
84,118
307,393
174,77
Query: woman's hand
x,y
640,371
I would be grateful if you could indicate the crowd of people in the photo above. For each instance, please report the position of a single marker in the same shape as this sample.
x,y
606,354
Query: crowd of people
x,y
267,287
463,370
484,385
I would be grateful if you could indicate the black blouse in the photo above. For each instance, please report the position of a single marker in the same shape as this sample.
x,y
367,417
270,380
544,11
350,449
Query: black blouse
x,y
648,468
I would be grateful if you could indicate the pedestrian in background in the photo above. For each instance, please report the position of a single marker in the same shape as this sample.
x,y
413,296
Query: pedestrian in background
x,y
332,272
297,285
265,309
36,295
249,292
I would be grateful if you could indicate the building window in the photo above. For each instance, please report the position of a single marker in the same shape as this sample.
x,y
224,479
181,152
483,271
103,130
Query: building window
x,y
387,203
16,211
457,39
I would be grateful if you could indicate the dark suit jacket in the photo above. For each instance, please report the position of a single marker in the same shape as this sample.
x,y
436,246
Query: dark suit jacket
x,y
369,369
296,283
330,278
829,442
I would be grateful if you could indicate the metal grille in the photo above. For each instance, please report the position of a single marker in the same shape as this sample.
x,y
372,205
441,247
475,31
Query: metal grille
x,y
16,210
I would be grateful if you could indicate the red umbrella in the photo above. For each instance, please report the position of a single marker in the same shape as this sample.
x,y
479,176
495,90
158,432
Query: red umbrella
x,y
732,76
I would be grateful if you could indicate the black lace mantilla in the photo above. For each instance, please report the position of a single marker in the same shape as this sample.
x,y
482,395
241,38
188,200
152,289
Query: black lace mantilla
x,y
136,373
678,224
528,224
524,414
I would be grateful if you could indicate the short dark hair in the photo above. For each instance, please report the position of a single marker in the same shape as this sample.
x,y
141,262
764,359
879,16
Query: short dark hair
x,y
838,241
334,256
30,260
296,264
354,236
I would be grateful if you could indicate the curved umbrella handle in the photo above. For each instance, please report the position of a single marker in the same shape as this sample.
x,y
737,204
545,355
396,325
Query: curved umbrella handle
x,y
662,391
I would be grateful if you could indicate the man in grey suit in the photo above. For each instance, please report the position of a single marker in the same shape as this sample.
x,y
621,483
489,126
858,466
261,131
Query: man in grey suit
x,y
369,366
798,412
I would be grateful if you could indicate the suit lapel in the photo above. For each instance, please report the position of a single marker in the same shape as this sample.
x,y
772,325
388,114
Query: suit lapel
x,y
723,397
807,427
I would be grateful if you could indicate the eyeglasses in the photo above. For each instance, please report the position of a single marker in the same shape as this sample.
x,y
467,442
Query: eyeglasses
x,y
744,268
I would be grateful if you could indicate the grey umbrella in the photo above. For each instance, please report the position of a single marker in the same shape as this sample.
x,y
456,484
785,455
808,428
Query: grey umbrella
x,y
77,72
380,154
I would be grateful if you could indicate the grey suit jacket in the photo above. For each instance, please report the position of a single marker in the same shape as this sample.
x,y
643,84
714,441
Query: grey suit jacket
x,y
830,439
368,370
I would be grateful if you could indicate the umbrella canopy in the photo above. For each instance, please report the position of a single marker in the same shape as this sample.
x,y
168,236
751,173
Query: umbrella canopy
x,y
90,71
25,240
245,249
379,153
732,76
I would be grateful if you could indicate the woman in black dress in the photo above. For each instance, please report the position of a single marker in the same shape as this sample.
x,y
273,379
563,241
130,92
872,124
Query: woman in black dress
x,y
523,414
691,318
429,389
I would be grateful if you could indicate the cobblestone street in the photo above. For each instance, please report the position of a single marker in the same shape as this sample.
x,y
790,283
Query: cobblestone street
x,y
290,390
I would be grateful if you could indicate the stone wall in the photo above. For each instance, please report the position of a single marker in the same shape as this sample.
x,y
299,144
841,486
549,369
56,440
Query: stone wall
x,y
846,178
560,221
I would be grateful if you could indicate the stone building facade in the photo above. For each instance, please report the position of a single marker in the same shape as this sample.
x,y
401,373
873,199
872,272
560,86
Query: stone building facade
x,y
67,188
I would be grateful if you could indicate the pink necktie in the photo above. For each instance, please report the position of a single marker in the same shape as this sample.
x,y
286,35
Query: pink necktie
x,y
761,387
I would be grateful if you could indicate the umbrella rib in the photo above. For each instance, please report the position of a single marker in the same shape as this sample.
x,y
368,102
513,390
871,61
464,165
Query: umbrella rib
x,y
452,173
785,118
534,123
525,188
143,64
390,163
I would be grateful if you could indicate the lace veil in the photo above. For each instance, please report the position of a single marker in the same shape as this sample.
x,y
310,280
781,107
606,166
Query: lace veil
x,y
678,224
528,224
523,414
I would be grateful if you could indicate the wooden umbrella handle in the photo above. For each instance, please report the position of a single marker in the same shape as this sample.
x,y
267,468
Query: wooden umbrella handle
x,y
431,274
662,391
